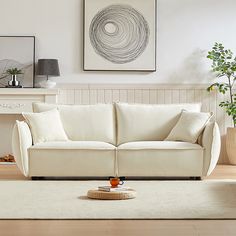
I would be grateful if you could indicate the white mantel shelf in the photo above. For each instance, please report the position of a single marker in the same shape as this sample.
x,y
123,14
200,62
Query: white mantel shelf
x,y
18,100
28,91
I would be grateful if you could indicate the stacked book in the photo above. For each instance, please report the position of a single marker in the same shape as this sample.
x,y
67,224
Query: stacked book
x,y
113,189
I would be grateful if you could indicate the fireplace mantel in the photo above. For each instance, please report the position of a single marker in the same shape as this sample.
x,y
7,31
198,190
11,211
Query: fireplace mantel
x,y
18,100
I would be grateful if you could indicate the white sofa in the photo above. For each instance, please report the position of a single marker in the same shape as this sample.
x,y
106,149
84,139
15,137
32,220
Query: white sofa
x,y
123,139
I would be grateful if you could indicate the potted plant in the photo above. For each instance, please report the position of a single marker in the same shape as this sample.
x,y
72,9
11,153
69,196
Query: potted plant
x,y
224,65
13,72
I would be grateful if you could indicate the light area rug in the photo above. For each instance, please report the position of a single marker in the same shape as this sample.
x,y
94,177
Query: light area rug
x,y
155,200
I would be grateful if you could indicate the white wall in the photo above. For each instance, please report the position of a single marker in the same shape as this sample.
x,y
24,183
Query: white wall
x,y
186,30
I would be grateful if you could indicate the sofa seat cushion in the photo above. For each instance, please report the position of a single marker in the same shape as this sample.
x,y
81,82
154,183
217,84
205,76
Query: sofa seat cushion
x,y
160,158
169,145
85,122
141,122
72,158
86,145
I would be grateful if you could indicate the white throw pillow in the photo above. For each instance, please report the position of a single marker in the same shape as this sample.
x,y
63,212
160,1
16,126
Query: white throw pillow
x,y
46,126
189,126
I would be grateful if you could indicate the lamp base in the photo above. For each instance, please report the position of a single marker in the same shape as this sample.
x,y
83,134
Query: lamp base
x,y
47,84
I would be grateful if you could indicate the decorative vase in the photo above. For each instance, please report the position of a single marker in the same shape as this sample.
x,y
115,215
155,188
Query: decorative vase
x,y
14,82
231,145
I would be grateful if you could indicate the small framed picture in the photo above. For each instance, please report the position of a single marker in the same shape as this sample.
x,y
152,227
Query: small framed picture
x,y
17,61
120,35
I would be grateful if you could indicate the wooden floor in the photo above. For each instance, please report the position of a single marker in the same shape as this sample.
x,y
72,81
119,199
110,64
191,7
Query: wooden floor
x,y
117,227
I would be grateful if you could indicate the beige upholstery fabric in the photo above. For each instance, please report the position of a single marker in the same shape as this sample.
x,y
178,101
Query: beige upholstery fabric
x,y
189,126
211,142
85,122
165,145
146,157
139,122
21,141
72,158
42,107
82,145
160,158
46,126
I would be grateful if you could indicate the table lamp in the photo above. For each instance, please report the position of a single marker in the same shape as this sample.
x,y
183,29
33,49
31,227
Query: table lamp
x,y
48,67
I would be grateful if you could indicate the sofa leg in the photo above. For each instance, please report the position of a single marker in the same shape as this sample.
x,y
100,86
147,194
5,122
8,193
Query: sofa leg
x,y
196,178
37,178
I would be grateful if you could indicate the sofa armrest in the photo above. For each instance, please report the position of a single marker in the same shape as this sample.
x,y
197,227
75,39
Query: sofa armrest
x,y
211,141
21,141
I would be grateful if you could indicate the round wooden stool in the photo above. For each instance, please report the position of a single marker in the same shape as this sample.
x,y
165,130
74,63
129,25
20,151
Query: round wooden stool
x,y
123,195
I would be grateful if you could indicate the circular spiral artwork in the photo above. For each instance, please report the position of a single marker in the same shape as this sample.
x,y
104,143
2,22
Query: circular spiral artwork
x,y
119,33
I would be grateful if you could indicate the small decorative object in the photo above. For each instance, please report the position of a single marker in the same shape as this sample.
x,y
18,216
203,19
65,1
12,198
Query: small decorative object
x,y
112,192
14,83
116,181
17,52
111,195
48,67
113,189
120,35
224,65
7,158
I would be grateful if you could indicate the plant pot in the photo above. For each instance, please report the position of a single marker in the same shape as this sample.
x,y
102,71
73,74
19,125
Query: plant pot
x,y
231,145
14,82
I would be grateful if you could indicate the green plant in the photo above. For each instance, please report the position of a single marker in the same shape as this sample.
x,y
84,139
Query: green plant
x,y
224,65
14,71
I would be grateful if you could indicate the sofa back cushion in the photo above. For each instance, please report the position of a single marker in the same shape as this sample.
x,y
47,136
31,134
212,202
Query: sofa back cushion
x,y
85,122
139,122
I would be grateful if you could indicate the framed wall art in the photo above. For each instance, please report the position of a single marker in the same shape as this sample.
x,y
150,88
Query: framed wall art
x,y
17,52
119,35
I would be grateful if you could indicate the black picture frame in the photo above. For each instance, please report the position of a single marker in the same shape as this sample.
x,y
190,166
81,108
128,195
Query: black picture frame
x,y
21,55
121,70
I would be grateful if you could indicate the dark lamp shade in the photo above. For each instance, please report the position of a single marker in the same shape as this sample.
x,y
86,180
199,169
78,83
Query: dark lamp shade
x,y
48,67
